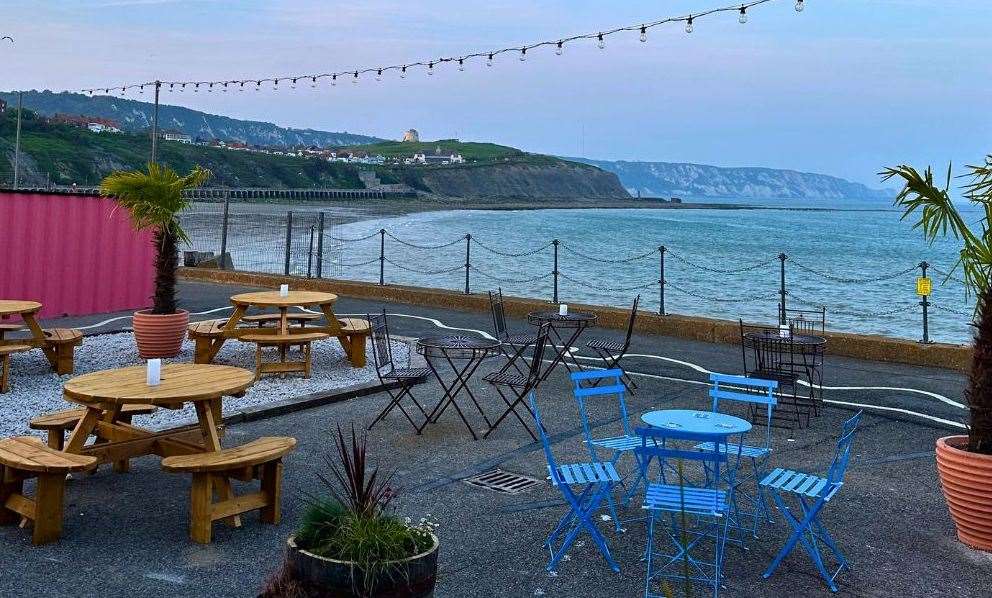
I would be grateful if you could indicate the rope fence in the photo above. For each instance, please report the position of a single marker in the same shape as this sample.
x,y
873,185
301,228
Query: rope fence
x,y
251,242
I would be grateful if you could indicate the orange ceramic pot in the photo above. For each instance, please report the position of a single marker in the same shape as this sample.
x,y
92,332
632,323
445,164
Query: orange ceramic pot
x,y
966,479
160,335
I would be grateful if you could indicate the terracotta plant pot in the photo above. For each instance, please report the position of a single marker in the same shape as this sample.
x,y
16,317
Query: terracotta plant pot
x,y
413,577
160,335
966,479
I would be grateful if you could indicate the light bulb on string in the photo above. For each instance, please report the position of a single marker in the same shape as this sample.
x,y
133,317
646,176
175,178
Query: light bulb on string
x,y
602,42
275,84
224,89
313,82
430,68
334,80
644,34
141,89
293,84
688,25
210,89
378,75
355,78
258,85
523,54
241,87
799,6
197,88
743,18
489,60
403,73
559,49
461,64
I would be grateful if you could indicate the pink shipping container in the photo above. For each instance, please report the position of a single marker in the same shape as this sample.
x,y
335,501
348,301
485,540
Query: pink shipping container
x,y
75,254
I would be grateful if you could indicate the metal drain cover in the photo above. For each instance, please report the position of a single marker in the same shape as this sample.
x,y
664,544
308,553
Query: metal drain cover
x,y
503,482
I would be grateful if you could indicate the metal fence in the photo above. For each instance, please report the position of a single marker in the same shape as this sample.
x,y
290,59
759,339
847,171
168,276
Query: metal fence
x,y
304,243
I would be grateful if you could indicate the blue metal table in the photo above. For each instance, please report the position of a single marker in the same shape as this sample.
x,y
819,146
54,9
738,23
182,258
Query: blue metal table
x,y
699,422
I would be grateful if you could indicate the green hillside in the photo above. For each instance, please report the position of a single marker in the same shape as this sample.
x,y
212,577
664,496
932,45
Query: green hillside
x,y
66,155
471,151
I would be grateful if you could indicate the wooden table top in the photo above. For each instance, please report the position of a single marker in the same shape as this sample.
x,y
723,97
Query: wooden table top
x,y
294,298
10,308
181,382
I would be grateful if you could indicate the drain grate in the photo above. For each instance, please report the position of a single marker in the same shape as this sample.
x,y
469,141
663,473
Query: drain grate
x,y
503,482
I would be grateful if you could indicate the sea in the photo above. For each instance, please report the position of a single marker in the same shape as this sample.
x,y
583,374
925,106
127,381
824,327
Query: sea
x,y
857,259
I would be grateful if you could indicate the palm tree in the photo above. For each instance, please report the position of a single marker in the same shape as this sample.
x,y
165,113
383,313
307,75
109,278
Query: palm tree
x,y
938,217
155,200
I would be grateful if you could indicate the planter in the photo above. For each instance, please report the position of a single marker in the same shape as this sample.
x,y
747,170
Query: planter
x,y
413,577
966,479
160,335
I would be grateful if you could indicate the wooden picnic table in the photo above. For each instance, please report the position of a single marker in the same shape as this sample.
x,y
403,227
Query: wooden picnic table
x,y
272,299
27,310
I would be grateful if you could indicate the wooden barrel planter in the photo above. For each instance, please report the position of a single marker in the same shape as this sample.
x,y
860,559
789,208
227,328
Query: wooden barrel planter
x,y
413,577
966,479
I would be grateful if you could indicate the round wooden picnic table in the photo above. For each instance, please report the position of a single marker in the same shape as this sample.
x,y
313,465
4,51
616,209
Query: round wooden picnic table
x,y
292,299
27,311
180,383
10,307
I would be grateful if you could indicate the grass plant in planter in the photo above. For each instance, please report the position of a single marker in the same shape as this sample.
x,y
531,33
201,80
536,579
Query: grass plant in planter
x,y
964,463
351,544
155,201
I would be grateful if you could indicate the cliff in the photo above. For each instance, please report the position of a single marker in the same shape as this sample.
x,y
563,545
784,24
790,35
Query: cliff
x,y
543,179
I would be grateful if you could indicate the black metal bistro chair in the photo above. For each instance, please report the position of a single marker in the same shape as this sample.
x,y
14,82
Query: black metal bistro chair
x,y
807,321
404,378
769,356
519,386
612,351
512,345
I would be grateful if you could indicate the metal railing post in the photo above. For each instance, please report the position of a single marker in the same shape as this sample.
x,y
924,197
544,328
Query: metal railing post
x,y
661,280
554,272
382,256
782,257
289,239
310,254
468,261
223,230
320,245
925,303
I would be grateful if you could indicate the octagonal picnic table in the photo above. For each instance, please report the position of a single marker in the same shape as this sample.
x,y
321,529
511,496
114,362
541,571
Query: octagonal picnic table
x,y
26,310
354,349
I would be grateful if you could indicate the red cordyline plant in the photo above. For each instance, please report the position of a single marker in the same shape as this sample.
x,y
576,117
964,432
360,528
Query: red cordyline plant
x,y
939,217
363,491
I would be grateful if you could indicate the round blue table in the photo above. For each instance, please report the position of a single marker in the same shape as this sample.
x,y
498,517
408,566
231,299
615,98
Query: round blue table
x,y
697,422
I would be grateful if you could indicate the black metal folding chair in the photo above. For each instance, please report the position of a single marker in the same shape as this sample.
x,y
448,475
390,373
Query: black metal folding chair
x,y
512,345
769,356
519,385
807,321
611,351
388,373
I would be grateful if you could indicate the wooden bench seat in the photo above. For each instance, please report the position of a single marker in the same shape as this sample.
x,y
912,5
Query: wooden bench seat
x,y
298,318
5,352
64,342
25,457
57,424
354,332
283,342
5,328
260,459
203,335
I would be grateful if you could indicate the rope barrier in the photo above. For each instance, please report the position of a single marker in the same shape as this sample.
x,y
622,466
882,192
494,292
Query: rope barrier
x,y
509,280
353,264
426,272
753,298
952,311
653,252
416,246
947,275
507,254
718,270
852,280
600,287
352,239
862,314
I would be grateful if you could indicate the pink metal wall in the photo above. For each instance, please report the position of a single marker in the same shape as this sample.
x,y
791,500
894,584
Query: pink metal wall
x,y
74,254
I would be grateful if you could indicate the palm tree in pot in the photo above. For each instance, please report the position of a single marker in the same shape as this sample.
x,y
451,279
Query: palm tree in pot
x,y
963,462
155,201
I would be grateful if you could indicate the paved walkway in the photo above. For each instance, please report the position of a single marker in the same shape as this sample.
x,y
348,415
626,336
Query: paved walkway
x,y
126,535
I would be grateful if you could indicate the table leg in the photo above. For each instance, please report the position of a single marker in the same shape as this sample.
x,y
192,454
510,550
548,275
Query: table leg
x,y
83,429
560,357
333,326
39,336
211,439
232,323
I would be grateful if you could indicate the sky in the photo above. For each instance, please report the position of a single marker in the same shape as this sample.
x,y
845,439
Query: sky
x,y
844,88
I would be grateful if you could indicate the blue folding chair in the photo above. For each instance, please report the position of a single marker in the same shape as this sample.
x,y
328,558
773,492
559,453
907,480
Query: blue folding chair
x,y
596,479
586,385
696,512
813,493
755,393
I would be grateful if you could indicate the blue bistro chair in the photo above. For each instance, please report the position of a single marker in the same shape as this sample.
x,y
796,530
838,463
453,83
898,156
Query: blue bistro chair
x,y
695,512
607,384
758,395
813,494
595,482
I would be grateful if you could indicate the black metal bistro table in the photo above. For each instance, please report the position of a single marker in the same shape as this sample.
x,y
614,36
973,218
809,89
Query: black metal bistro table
x,y
572,322
804,351
464,355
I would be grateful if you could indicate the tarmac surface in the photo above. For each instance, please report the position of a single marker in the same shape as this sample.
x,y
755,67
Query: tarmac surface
x,y
126,534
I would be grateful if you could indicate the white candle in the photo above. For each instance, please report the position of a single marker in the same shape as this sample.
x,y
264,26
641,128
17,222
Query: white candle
x,y
783,330
563,309
154,373
284,290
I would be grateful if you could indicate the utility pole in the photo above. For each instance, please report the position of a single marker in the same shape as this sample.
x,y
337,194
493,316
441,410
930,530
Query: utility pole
x,y
17,138
158,87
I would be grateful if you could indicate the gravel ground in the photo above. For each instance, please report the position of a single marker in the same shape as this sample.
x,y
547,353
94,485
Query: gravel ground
x,y
35,389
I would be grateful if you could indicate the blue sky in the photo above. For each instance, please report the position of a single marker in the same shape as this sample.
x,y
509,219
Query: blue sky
x,y
843,88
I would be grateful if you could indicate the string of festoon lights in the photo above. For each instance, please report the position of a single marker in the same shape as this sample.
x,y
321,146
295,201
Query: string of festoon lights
x,y
430,66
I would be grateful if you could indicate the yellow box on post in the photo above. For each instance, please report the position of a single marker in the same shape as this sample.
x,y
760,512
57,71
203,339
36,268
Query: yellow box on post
x,y
923,286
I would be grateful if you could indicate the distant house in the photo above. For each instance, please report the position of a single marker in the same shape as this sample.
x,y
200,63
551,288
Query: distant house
x,y
3,106
411,135
95,124
102,128
180,137
438,156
